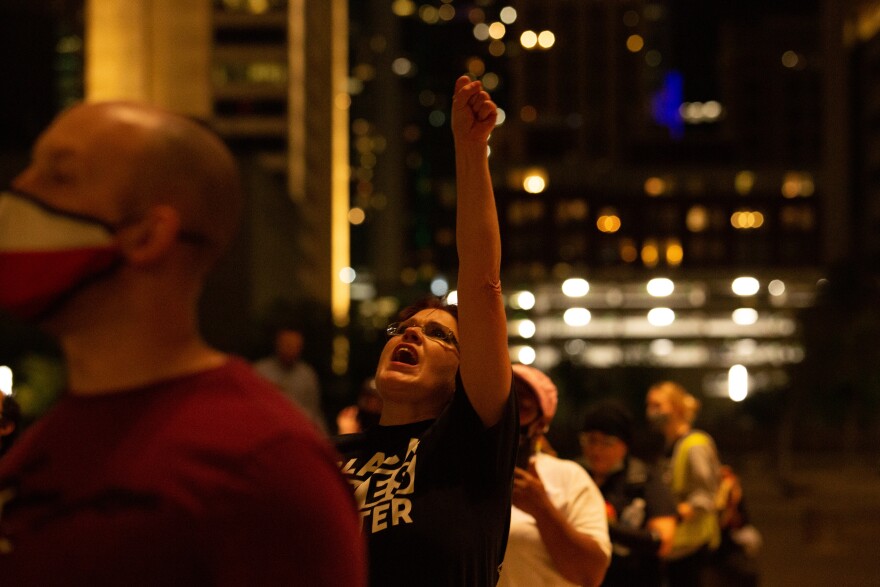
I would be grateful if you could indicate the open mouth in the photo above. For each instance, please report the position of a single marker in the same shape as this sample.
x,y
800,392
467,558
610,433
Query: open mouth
x,y
405,354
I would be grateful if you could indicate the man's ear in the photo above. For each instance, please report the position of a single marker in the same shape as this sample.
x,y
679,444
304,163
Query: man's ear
x,y
149,239
7,428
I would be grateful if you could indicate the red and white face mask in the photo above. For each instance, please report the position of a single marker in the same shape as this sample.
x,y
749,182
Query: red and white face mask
x,y
46,255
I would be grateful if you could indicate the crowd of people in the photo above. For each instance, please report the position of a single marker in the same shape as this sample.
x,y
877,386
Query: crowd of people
x,y
167,461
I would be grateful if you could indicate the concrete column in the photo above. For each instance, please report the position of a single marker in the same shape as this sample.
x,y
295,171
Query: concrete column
x,y
155,51
318,157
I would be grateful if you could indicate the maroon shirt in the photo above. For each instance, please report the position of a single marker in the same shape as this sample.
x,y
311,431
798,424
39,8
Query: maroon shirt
x,y
211,478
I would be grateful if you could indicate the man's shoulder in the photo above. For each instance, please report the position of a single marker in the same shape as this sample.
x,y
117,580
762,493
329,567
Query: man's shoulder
x,y
237,400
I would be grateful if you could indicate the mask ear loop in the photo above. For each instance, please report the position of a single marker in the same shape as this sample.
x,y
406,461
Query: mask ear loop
x,y
30,198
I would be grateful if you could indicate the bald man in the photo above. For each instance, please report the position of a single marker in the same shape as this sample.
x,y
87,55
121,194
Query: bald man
x,y
166,461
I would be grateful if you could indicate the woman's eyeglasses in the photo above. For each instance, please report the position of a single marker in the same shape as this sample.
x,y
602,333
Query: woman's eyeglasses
x,y
431,330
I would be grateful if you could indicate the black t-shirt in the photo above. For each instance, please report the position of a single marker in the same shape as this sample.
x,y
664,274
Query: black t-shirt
x,y
434,496
638,493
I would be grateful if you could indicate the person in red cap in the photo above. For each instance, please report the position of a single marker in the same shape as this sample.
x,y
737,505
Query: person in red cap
x,y
558,527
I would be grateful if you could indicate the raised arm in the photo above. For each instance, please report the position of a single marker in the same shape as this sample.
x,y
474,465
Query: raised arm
x,y
485,363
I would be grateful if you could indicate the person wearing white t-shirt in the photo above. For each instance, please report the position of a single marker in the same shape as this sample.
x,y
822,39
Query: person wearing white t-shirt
x,y
558,526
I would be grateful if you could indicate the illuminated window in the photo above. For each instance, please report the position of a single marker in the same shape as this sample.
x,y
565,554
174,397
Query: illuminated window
x,y
628,251
635,43
650,253
608,221
797,184
744,182
697,219
674,252
747,219
546,39
529,39
654,186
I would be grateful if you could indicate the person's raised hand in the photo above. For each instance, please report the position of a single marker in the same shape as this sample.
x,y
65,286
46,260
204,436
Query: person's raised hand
x,y
473,111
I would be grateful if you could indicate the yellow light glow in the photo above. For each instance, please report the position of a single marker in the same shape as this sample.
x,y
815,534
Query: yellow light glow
x,y
429,14
5,380
738,383
403,7
546,39
608,223
744,316
635,43
575,287
790,187
674,253
446,12
744,182
528,114
523,300
655,186
526,329
534,180
628,251
745,286
650,254
534,184
356,216
481,31
529,39
526,355
790,59
497,48
577,316
258,6
796,183
807,185
776,287
661,316
497,30
747,219
660,287
697,219
476,66
508,15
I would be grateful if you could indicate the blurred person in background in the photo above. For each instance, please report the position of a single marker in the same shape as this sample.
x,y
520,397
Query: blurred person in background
x,y
692,471
10,422
364,414
558,528
295,378
166,461
433,478
641,510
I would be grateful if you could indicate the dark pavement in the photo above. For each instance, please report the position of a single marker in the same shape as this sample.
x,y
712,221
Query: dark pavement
x,y
822,528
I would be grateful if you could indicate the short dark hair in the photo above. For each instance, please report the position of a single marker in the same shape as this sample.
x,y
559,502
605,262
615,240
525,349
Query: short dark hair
x,y
428,303
612,418
11,413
